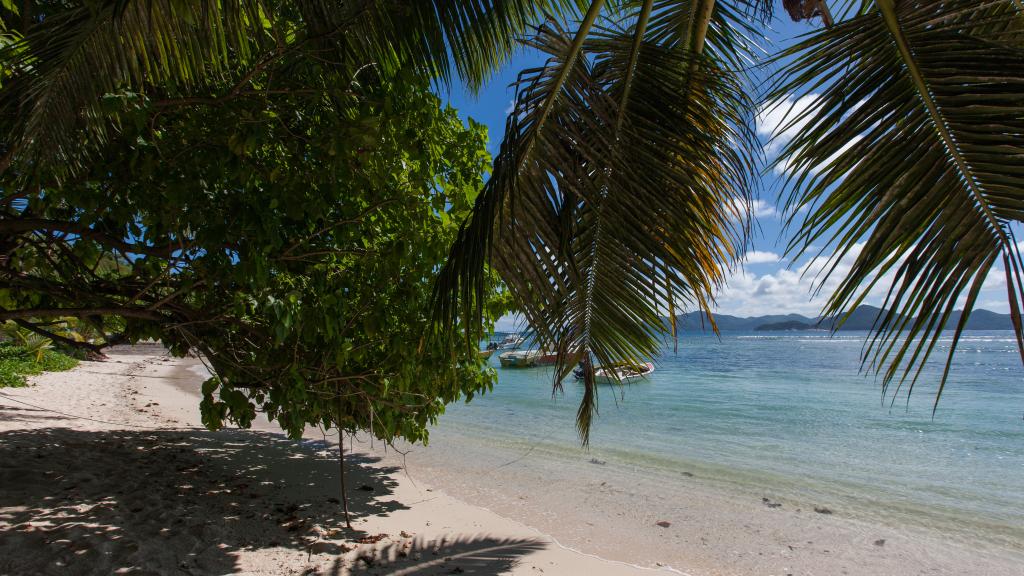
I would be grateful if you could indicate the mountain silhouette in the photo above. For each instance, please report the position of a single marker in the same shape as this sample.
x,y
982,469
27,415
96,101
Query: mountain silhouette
x,y
863,318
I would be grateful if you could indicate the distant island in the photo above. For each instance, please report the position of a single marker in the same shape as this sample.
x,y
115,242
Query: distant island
x,y
863,318
787,326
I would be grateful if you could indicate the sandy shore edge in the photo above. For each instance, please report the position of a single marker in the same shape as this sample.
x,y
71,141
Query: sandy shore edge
x,y
108,470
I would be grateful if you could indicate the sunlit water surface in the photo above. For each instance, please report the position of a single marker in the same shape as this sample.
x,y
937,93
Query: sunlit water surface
x,y
792,410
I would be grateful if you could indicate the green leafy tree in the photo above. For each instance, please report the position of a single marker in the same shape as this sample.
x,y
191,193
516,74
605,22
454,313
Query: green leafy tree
x,y
34,345
289,232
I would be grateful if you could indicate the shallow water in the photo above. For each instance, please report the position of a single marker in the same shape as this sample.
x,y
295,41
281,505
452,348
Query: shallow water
x,y
793,411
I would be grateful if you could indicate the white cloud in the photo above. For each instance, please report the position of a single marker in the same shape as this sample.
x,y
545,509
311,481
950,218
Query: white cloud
x,y
759,208
780,121
786,290
510,323
779,292
996,280
763,209
816,169
759,257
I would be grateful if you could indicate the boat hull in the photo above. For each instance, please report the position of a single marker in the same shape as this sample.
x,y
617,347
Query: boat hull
x,y
509,360
623,375
526,359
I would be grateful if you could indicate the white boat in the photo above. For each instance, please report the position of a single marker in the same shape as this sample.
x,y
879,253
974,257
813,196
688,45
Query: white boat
x,y
511,341
623,373
526,358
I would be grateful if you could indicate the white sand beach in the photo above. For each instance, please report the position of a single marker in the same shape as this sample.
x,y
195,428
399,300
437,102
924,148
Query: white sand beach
x,y
140,488
107,470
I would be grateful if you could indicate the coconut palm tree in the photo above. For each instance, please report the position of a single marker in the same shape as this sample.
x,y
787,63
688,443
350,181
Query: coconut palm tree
x,y
622,189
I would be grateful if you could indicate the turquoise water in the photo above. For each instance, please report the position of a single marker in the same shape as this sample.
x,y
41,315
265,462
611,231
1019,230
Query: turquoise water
x,y
792,411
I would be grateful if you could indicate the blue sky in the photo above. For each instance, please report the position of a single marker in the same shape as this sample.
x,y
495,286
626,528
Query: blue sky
x,y
766,283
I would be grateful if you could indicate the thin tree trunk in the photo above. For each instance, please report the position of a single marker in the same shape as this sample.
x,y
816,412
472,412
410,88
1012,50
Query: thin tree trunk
x,y
341,469
341,464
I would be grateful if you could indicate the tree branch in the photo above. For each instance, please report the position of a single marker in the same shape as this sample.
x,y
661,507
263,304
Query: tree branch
x,y
10,226
80,312
88,346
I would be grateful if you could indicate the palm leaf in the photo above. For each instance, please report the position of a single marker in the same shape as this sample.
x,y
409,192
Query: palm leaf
x,y
614,194
908,164
68,61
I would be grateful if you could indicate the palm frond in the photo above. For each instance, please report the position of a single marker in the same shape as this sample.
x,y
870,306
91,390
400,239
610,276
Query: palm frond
x,y
67,62
479,36
614,194
907,163
734,41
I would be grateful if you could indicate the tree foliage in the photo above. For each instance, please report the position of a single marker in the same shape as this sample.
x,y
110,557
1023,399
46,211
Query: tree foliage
x,y
288,230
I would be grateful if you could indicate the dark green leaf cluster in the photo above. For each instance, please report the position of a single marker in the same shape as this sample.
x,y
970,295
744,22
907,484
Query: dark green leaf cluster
x,y
288,232
60,60
332,253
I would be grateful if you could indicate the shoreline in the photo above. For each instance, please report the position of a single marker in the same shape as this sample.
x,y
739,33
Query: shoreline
x,y
713,529
185,384
524,510
752,486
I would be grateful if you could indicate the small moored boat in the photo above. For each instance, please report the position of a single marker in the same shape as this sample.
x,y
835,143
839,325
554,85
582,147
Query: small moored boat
x,y
512,341
492,347
526,358
619,373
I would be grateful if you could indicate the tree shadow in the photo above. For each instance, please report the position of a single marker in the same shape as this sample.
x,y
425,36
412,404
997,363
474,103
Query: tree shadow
x,y
78,502
33,415
189,501
476,555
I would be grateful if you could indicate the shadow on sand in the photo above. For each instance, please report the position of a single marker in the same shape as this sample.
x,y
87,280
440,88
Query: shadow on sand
x,y
481,556
187,502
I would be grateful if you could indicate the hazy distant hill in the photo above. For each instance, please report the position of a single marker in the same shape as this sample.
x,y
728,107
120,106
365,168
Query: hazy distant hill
x,y
787,326
983,320
697,321
863,318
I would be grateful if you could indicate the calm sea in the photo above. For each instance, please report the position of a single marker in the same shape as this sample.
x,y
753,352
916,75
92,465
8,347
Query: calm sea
x,y
792,410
